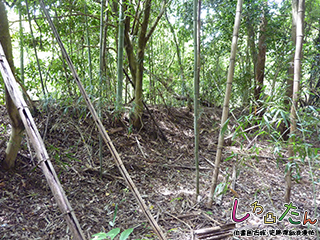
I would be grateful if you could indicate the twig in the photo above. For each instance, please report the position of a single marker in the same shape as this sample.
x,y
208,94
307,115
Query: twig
x,y
250,143
195,214
29,149
104,173
220,192
240,127
212,164
46,127
234,177
211,219
186,167
179,220
85,144
233,181
140,147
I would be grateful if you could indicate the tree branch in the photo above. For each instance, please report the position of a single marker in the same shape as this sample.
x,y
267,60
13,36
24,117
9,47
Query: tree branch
x,y
129,47
142,36
163,7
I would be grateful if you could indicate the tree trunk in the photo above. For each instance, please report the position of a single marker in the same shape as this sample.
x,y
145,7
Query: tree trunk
x,y
138,108
253,52
296,83
252,45
196,43
293,39
259,76
225,111
120,56
88,43
136,63
142,42
17,126
289,90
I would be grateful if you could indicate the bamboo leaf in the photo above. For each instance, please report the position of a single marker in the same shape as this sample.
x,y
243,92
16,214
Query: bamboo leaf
x,y
125,234
113,233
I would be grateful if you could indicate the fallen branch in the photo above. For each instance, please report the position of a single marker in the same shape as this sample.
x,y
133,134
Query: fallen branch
x,y
143,154
211,219
185,167
104,173
37,142
179,220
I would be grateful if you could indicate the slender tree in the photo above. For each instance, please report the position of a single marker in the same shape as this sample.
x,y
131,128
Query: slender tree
x,y
289,88
120,55
88,43
151,82
225,110
296,83
290,77
17,126
196,44
261,58
136,61
251,41
21,47
101,76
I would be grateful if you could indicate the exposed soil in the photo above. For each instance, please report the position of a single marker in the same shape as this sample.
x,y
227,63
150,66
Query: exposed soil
x,y
163,172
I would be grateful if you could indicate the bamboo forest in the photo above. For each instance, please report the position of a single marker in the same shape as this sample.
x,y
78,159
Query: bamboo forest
x,y
159,119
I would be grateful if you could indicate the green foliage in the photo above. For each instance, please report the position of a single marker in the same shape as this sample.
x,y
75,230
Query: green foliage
x,y
125,234
62,159
230,157
267,123
112,234
112,223
176,199
3,129
225,126
159,85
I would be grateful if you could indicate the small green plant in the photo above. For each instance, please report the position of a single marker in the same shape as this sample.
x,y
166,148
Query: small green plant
x,y
130,129
176,199
173,230
3,128
112,223
113,232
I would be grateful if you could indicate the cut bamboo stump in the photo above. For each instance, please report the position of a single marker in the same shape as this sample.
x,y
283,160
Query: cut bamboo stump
x,y
219,232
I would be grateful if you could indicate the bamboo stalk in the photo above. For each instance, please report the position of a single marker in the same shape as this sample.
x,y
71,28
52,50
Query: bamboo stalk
x,y
296,83
225,111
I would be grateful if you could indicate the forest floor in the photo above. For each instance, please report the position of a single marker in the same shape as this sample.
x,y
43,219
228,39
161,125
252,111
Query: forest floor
x,y
163,172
